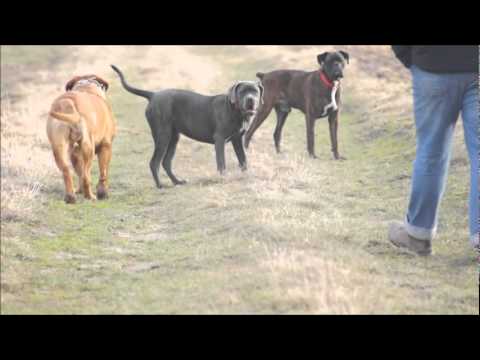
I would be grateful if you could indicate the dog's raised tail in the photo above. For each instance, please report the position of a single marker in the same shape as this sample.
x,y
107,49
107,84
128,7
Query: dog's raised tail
x,y
72,119
146,94
260,75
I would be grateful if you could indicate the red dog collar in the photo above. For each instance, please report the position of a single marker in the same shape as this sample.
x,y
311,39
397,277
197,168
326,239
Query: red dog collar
x,y
324,79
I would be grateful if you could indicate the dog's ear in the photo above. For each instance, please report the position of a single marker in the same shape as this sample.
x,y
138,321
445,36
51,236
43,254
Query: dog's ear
x,y
345,55
232,93
322,57
262,91
69,85
103,82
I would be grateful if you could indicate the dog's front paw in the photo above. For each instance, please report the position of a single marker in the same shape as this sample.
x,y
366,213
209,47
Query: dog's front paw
x,y
70,199
340,158
102,194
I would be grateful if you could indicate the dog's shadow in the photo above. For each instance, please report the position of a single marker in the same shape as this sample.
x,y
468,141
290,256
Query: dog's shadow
x,y
209,181
53,189
219,180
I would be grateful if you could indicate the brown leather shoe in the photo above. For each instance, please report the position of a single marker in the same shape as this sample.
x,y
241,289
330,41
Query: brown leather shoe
x,y
398,236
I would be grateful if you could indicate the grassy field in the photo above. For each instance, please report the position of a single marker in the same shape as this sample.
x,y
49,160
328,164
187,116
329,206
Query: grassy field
x,y
290,235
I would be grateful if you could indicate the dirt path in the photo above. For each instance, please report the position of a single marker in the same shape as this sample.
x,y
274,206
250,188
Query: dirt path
x,y
291,235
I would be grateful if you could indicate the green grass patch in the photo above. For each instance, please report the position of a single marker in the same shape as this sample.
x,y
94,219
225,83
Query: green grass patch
x,y
291,235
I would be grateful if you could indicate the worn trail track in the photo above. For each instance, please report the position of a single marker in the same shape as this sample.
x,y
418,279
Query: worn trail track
x,y
291,235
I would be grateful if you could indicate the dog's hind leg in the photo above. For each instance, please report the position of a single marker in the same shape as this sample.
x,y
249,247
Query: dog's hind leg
x,y
104,156
77,163
88,153
282,111
161,145
167,160
60,153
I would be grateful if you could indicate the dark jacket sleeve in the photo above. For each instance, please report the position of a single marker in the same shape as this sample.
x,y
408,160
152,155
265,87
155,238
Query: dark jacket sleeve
x,y
404,54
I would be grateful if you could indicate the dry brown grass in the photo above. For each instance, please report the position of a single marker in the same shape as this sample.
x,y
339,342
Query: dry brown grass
x,y
25,158
282,237
321,286
27,163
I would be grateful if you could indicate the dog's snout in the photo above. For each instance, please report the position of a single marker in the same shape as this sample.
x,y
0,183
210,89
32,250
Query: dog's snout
x,y
250,103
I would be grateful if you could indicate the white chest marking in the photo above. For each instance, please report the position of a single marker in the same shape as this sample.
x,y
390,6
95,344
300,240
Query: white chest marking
x,y
245,124
333,103
243,128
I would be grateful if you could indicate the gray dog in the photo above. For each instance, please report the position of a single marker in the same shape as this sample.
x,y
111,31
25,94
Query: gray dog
x,y
209,119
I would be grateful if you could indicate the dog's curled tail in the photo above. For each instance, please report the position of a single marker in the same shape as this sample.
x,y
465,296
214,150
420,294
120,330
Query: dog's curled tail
x,y
260,75
146,94
72,119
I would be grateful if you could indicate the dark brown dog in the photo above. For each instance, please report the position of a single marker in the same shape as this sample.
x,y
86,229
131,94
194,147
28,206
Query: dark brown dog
x,y
316,94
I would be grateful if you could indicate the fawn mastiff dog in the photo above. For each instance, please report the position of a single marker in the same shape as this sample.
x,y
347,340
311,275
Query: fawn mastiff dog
x,y
81,124
210,119
316,94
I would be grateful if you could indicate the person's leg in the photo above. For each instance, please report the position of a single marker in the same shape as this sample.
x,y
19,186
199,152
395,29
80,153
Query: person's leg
x,y
470,115
437,104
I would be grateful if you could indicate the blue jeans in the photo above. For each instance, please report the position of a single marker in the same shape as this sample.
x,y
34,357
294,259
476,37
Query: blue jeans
x,y
439,99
